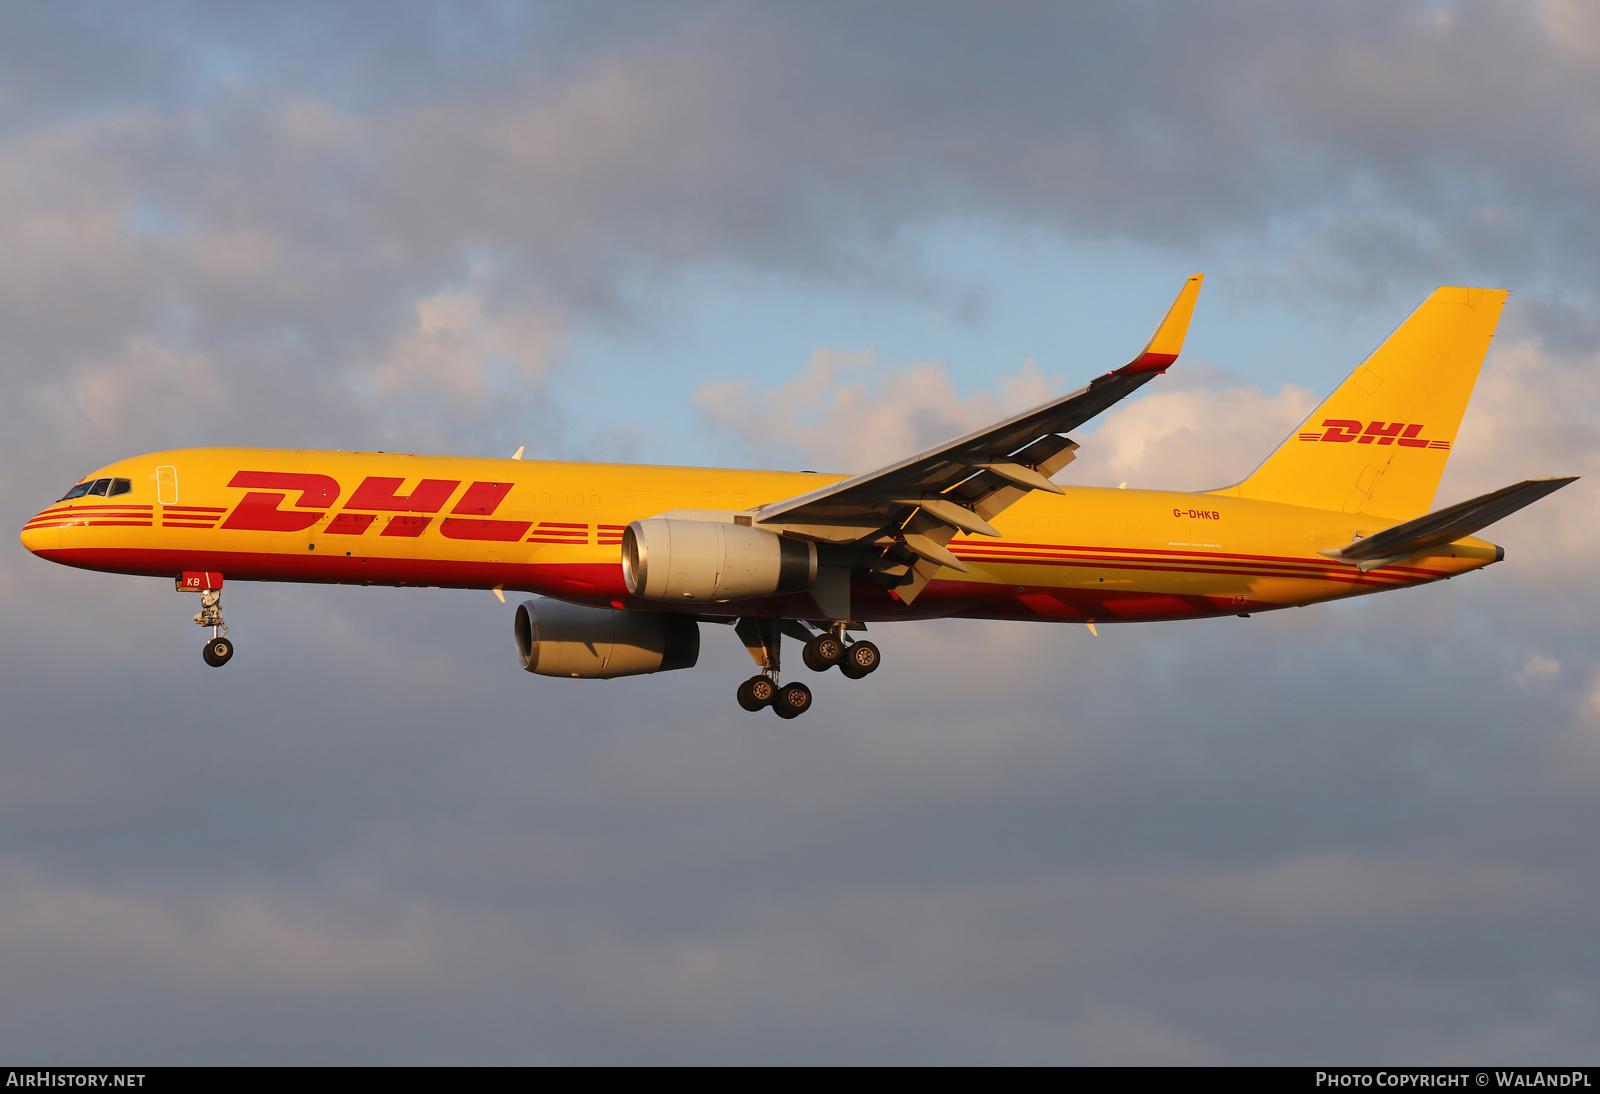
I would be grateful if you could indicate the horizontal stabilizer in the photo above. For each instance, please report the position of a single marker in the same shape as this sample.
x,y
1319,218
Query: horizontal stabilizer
x,y
1445,526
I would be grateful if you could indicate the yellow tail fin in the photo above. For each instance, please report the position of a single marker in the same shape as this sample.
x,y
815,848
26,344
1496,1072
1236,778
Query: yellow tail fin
x,y
1378,444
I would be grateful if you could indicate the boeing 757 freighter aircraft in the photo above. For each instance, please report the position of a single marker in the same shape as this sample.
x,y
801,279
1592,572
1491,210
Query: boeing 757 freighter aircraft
x,y
628,561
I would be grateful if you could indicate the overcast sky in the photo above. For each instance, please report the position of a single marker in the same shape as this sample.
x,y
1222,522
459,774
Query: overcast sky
x,y
793,235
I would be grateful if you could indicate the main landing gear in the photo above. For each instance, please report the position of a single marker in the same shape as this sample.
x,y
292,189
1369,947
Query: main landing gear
x,y
218,650
828,649
788,701
763,638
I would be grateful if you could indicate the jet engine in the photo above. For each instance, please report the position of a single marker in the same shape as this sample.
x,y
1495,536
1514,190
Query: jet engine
x,y
555,638
704,561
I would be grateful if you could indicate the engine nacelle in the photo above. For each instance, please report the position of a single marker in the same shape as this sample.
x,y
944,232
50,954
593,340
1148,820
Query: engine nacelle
x,y
555,638
704,561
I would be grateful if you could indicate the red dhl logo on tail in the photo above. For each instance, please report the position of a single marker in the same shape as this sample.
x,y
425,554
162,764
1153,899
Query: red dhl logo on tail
x,y
1345,430
259,510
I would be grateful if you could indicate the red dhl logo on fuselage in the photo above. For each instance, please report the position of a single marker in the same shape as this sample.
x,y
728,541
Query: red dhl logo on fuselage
x,y
260,510
1345,430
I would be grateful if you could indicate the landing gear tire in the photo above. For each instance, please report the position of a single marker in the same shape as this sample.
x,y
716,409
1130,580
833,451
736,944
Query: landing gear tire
x,y
792,701
217,652
859,659
757,692
822,653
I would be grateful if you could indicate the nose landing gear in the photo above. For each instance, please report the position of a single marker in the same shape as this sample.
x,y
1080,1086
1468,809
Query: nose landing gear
x,y
218,650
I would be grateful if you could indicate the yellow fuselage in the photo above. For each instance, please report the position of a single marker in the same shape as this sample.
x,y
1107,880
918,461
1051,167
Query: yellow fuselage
x,y
372,518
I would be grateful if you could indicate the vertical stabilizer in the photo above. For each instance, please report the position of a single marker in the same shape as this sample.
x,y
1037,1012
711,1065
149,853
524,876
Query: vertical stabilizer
x,y
1378,445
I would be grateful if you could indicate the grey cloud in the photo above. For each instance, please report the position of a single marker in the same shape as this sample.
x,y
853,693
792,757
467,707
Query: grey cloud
x,y
1118,849
287,225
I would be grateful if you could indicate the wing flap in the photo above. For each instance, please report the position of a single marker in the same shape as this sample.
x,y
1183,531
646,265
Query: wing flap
x,y
958,516
1018,474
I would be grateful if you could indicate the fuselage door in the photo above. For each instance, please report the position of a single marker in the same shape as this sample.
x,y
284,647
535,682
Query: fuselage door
x,y
167,484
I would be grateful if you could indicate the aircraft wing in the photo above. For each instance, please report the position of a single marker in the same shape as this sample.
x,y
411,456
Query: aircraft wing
x,y
913,508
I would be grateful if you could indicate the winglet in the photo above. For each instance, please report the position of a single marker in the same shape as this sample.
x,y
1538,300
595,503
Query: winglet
x,y
1167,341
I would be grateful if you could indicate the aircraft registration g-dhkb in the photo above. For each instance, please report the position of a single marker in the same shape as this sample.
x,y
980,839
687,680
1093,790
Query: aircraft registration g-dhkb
x,y
628,561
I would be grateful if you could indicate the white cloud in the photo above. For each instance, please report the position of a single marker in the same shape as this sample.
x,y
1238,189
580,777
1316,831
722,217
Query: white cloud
x,y
1195,439
1533,416
107,403
847,413
453,344
1537,667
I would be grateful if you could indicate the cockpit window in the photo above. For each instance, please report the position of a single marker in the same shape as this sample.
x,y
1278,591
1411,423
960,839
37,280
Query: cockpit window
x,y
99,488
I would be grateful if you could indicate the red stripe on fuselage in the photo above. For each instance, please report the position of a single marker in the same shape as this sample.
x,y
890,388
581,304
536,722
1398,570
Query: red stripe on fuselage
x,y
96,511
601,584
1127,557
90,508
1344,577
102,523
1143,551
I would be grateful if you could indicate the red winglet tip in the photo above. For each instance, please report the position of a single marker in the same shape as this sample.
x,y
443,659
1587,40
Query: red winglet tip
x,y
1149,362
